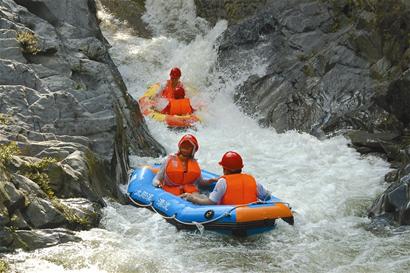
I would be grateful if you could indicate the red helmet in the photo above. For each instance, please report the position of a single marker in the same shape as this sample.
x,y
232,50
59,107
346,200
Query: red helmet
x,y
179,93
191,139
175,73
231,161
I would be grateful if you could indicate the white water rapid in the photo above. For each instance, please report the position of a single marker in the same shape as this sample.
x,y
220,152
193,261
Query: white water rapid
x,y
328,184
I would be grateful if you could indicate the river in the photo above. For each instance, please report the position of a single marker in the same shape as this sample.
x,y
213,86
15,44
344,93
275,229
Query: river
x,y
329,185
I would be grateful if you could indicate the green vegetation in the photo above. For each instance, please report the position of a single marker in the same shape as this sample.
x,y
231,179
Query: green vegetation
x,y
36,172
28,42
4,119
389,18
232,10
305,57
302,57
70,215
308,70
42,180
4,267
41,165
7,151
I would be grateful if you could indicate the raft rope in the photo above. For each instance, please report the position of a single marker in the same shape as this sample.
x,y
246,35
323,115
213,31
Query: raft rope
x,y
194,223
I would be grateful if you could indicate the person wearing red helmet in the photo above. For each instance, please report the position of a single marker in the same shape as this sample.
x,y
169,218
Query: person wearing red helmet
x,y
172,84
180,172
179,105
234,187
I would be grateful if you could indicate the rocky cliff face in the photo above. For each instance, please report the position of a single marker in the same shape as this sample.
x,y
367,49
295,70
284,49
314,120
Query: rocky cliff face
x,y
130,12
231,10
332,66
67,122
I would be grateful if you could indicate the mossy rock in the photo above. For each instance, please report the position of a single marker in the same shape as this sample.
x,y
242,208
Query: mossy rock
x,y
28,42
37,172
7,151
4,266
129,11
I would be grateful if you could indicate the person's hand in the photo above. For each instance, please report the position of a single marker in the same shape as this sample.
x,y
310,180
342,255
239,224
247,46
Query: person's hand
x,y
186,196
156,183
212,180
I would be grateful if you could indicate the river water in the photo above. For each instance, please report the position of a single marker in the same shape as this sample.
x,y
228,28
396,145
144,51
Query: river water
x,y
328,184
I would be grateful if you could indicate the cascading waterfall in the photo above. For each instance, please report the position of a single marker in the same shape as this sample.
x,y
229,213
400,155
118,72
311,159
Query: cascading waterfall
x,y
328,184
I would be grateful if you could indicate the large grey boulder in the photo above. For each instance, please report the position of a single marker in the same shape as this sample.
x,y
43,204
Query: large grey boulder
x,y
61,98
327,69
129,12
331,67
41,214
33,239
394,203
231,10
12,198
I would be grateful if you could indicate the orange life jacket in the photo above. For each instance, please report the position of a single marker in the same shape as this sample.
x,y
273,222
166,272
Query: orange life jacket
x,y
181,180
168,91
240,189
180,107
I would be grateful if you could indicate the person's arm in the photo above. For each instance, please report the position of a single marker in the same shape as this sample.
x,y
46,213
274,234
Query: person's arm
x,y
156,181
206,182
197,199
263,193
214,197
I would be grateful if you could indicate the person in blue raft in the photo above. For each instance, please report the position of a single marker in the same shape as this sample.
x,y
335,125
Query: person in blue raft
x,y
233,188
180,172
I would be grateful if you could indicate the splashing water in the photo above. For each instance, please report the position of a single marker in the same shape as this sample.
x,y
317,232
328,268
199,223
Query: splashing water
x,y
328,184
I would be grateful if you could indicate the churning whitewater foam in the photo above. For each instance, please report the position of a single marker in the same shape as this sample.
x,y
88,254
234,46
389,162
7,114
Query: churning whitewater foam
x,y
328,184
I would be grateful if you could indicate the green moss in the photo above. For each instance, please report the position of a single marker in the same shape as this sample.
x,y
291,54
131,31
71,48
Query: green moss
x,y
43,181
390,21
70,215
231,10
336,25
7,151
302,57
308,70
4,267
377,76
36,172
78,86
28,42
4,119
91,160
42,164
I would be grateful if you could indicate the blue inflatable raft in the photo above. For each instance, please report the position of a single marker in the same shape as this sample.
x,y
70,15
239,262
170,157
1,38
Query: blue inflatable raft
x,y
238,220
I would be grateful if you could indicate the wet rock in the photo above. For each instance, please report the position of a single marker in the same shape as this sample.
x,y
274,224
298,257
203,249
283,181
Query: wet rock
x,y
12,198
331,67
129,11
391,176
40,213
81,213
67,102
335,70
76,181
394,202
10,48
397,98
233,11
14,73
6,239
33,239
373,141
17,221
93,48
4,216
